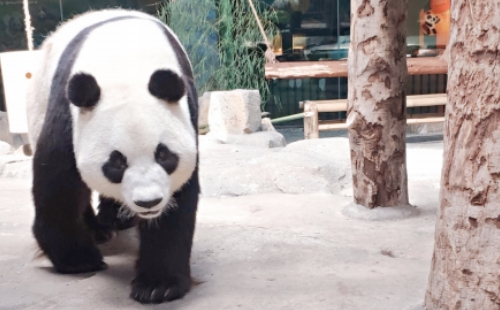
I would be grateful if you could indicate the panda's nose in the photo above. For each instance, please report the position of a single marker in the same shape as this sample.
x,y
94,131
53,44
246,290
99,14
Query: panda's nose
x,y
148,203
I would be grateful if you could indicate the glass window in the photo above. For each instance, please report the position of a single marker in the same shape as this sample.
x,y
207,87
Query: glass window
x,y
12,34
312,29
320,29
47,14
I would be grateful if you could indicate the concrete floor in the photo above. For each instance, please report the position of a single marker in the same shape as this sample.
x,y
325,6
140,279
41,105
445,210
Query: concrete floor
x,y
261,251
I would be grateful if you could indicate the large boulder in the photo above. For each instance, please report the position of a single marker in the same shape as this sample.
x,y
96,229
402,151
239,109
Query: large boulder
x,y
307,166
234,112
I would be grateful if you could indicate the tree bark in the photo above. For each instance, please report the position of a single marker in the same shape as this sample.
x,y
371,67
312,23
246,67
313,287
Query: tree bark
x,y
465,271
377,109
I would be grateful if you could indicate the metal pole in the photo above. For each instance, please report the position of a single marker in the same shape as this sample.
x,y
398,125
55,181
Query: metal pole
x,y
287,118
61,10
338,43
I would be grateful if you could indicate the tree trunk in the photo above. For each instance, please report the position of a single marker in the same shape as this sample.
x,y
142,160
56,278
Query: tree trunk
x,y
465,272
377,108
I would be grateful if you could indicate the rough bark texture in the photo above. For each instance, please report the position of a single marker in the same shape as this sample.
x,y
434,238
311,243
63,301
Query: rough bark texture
x,y
376,112
465,272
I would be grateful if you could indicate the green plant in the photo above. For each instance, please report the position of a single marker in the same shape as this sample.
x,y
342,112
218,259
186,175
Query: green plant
x,y
223,41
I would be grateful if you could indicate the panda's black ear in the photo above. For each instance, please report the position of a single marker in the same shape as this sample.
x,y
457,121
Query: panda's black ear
x,y
83,90
167,85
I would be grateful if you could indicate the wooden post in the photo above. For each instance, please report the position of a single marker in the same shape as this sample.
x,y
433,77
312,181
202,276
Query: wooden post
x,y
307,121
377,103
311,120
314,120
465,271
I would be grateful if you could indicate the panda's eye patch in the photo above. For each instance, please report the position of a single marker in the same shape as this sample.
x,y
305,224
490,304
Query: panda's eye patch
x,y
115,167
167,85
83,90
165,158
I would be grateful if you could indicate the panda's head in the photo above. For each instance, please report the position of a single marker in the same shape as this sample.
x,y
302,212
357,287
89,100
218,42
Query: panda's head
x,y
133,142
431,18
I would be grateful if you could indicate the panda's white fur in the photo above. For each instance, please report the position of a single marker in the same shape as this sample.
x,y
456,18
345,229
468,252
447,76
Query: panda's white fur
x,y
121,56
50,51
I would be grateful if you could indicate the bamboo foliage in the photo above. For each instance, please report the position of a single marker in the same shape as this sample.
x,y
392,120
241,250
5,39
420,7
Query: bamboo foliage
x,y
223,41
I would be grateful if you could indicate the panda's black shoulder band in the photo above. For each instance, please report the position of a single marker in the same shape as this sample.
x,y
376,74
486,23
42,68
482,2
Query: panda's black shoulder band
x,y
83,90
167,85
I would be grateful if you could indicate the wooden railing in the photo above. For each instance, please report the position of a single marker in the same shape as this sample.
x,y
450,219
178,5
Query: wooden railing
x,y
313,125
338,68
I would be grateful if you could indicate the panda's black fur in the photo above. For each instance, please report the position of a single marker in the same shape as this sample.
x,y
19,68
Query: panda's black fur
x,y
65,225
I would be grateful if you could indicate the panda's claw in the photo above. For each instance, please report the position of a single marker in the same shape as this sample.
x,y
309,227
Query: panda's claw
x,y
159,293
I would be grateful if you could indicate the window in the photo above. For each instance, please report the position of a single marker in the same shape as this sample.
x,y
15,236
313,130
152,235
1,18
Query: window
x,y
312,30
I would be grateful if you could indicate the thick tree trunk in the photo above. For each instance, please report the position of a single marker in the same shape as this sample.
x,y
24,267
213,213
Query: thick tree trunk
x,y
377,109
465,272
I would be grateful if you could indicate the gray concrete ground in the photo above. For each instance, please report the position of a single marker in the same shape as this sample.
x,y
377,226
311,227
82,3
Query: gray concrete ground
x,y
286,245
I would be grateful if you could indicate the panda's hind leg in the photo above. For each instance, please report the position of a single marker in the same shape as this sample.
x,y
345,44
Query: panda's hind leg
x,y
61,201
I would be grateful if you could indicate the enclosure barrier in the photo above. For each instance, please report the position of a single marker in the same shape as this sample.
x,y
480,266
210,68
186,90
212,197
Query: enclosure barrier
x,y
313,125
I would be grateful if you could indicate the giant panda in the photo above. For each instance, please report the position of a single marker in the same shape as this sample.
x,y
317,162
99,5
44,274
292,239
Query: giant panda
x,y
112,108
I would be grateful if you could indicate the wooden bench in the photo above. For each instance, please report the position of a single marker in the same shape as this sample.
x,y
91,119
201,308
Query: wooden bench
x,y
312,108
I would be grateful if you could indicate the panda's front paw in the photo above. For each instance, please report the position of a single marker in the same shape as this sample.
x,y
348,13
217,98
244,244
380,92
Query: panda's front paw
x,y
146,291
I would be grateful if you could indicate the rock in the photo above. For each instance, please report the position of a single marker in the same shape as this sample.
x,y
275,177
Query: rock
x,y
261,139
266,139
15,140
234,112
319,165
5,148
203,107
5,134
211,139
15,166
266,125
